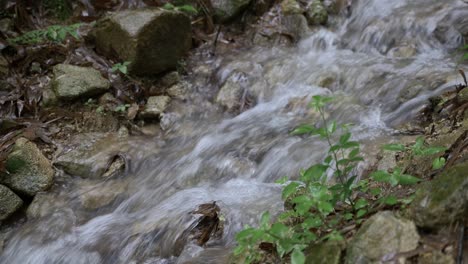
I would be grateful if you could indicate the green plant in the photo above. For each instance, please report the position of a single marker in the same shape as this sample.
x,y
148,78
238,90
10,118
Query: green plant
x,y
55,33
121,67
61,9
465,53
188,9
312,201
122,108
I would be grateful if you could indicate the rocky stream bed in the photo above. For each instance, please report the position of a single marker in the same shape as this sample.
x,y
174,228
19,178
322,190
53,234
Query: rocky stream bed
x,y
164,158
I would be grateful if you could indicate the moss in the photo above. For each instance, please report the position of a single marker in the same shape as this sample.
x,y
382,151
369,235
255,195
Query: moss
x,y
14,164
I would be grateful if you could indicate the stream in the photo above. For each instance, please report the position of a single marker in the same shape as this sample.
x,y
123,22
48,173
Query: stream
x,y
381,63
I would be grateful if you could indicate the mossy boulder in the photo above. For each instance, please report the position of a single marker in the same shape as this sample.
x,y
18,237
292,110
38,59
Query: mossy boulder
x,y
291,7
317,13
329,252
9,202
382,234
226,10
151,40
443,200
73,82
295,26
29,171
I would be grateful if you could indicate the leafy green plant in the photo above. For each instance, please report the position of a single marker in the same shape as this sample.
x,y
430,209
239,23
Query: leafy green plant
x,y
55,33
122,108
317,208
121,67
188,9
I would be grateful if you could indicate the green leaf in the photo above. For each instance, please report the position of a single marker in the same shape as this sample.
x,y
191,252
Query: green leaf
x,y
350,144
432,150
405,179
168,6
389,200
290,189
381,176
303,129
325,207
438,163
312,222
265,220
297,257
331,127
188,9
361,213
282,180
375,191
345,138
328,159
353,153
394,147
361,203
315,173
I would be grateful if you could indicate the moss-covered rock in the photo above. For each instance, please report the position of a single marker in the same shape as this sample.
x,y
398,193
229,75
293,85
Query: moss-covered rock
x,y
291,7
329,252
382,234
152,40
295,26
9,202
226,10
443,200
317,13
73,82
29,171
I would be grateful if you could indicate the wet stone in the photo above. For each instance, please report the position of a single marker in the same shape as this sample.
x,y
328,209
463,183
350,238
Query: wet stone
x,y
9,202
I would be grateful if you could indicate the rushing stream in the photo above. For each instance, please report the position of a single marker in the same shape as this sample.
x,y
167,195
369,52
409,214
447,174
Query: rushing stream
x,y
381,63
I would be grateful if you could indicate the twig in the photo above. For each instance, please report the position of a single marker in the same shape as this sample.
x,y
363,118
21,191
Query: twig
x,y
216,39
461,239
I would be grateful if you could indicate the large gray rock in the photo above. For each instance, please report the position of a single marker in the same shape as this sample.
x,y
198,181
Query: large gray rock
x,y
89,155
329,252
9,202
443,200
73,82
29,171
380,235
226,10
152,40
155,106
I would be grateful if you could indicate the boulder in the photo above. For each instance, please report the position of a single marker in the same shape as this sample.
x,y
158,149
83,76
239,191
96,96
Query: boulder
x,y
316,13
380,235
9,202
29,171
329,252
291,7
443,200
295,26
89,155
225,10
235,95
73,82
151,40
155,106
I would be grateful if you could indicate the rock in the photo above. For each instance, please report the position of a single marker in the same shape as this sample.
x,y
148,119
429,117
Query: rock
x,y
316,13
178,90
155,107
295,26
404,51
435,257
48,97
44,204
30,172
232,92
442,201
4,69
291,7
89,155
151,40
95,196
73,82
9,202
6,24
380,235
463,95
170,79
329,252
226,10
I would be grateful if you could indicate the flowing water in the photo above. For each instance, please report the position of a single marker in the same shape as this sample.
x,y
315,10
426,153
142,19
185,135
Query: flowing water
x,y
381,63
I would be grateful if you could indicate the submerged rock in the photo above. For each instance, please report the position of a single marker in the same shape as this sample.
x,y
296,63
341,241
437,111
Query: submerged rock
x,y
226,10
155,106
98,195
73,82
443,200
317,13
152,40
9,202
380,235
29,171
